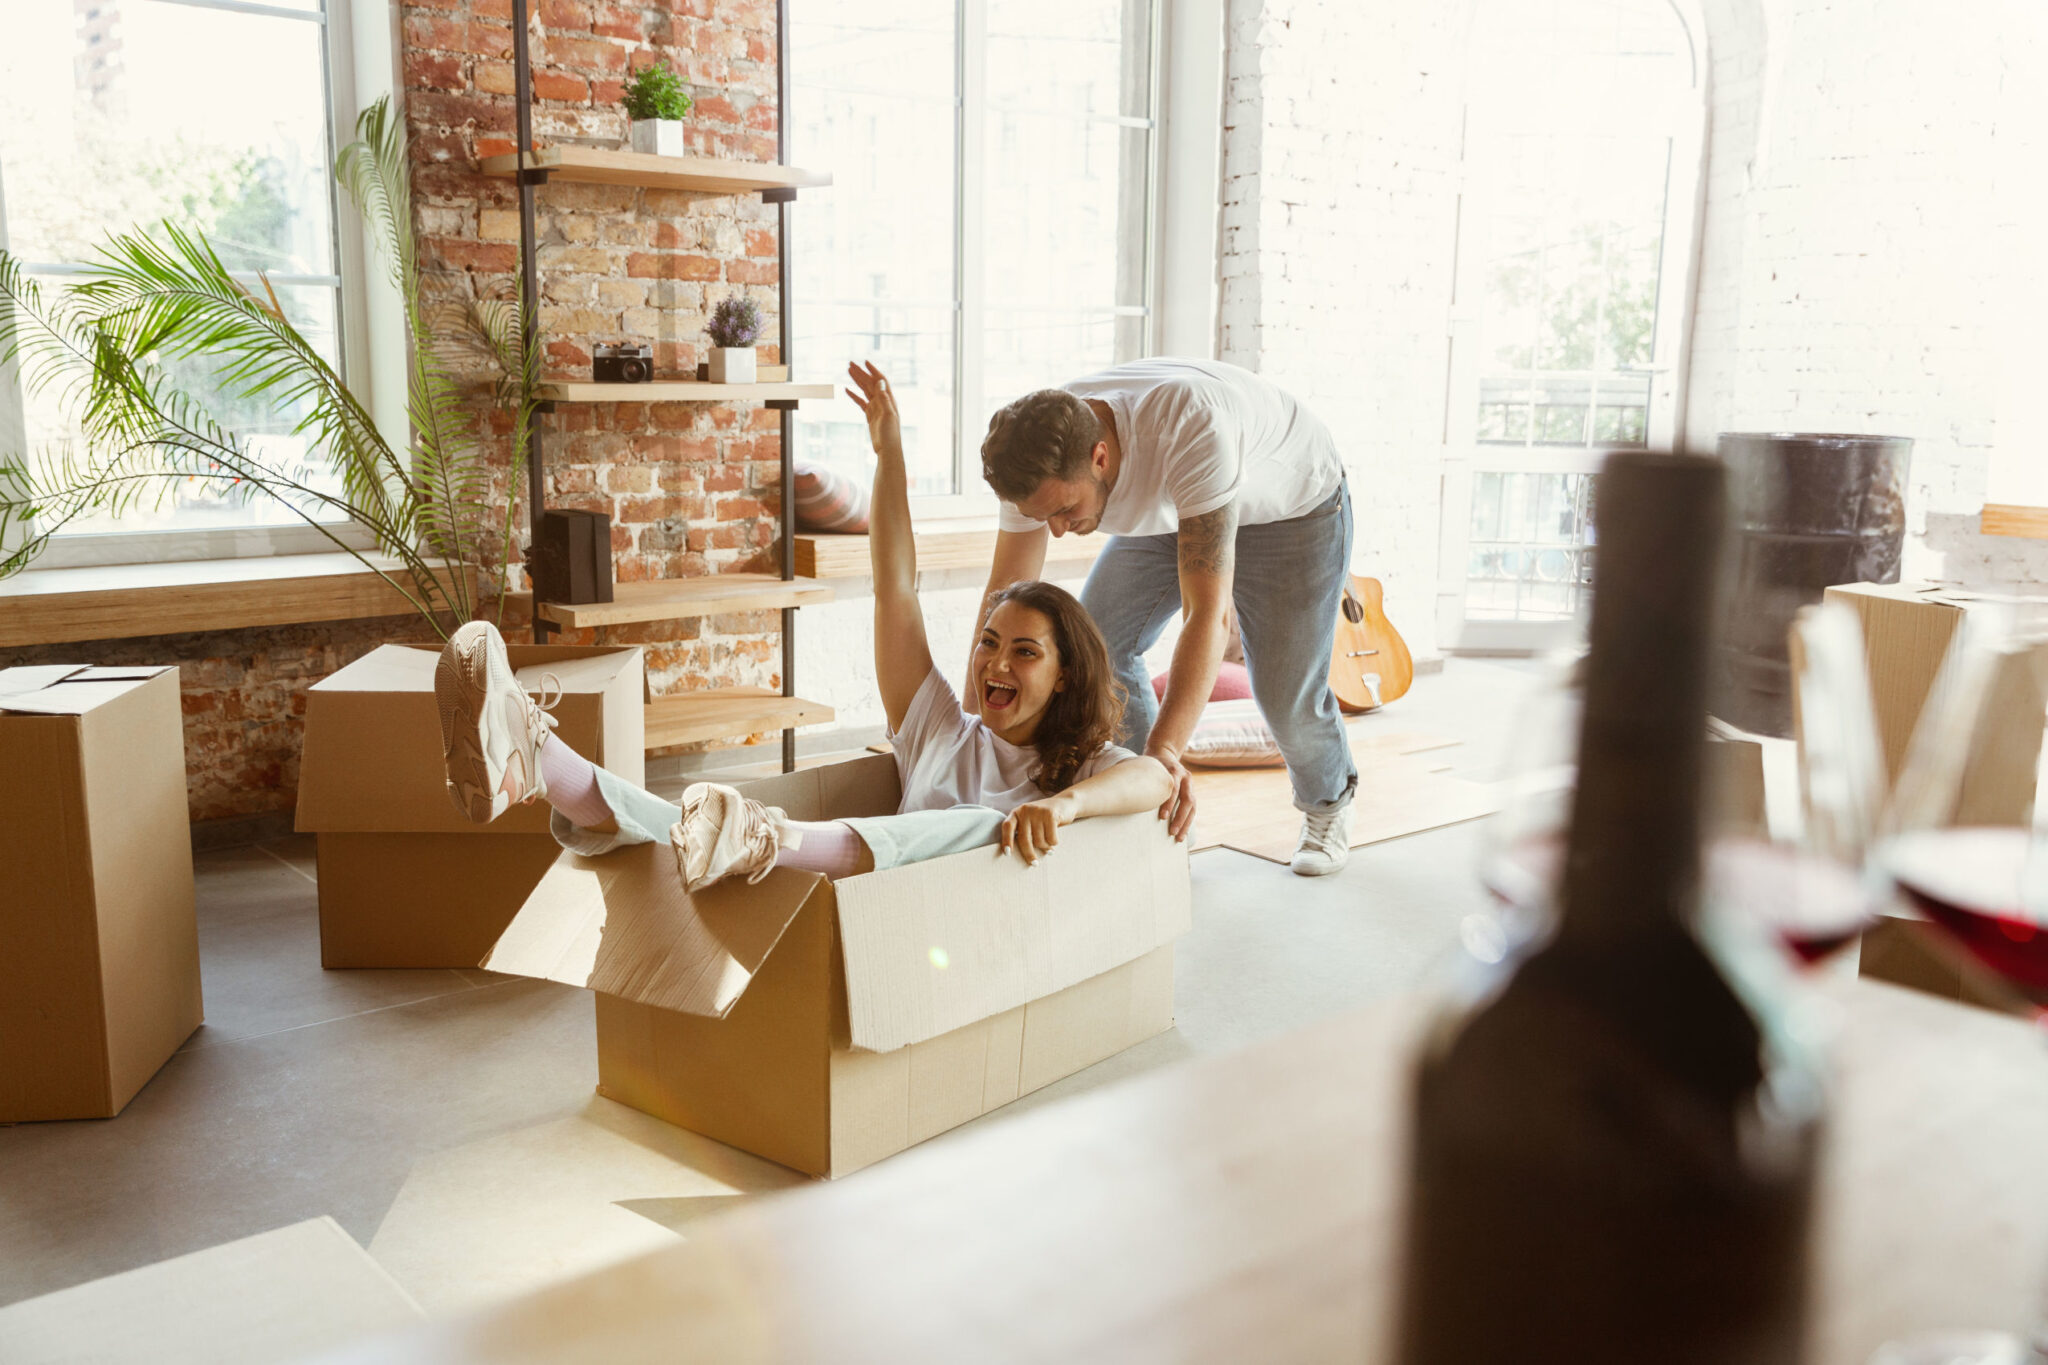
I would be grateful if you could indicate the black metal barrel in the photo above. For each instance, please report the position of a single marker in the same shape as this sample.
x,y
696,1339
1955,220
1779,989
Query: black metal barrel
x,y
1809,511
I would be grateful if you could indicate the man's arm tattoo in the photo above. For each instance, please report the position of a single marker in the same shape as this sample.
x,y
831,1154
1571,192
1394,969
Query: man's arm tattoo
x,y
1208,543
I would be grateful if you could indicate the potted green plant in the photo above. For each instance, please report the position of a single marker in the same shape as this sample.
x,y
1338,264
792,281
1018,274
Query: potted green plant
x,y
114,350
657,103
734,326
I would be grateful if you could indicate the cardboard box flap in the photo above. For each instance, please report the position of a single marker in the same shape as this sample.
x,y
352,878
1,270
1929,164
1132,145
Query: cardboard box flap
x,y
936,946
622,924
67,689
833,791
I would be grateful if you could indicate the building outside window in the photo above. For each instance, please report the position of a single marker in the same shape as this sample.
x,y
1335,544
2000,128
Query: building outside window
x,y
217,115
989,227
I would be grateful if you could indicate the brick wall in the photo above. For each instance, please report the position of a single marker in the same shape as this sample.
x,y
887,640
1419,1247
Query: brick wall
x,y
1340,159
691,488
1870,186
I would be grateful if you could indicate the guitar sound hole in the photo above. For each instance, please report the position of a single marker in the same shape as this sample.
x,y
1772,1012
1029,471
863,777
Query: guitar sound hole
x,y
1353,612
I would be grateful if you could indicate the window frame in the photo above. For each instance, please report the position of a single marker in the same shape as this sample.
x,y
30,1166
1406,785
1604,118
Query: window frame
x,y
360,67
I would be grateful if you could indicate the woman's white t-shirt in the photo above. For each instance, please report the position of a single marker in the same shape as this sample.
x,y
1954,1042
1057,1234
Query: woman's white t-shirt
x,y
948,758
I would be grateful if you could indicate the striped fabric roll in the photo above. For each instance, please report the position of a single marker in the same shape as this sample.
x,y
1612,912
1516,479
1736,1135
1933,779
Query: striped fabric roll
x,y
828,501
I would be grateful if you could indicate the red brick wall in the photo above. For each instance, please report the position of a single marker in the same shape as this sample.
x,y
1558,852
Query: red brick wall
x,y
691,488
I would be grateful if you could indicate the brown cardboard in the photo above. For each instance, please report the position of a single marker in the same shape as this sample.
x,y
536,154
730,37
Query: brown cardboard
x,y
826,1025
99,982
1911,952
1907,632
405,879
277,1296
1735,780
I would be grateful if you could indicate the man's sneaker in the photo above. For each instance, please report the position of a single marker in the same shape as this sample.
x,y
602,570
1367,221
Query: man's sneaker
x,y
491,730
1325,843
723,834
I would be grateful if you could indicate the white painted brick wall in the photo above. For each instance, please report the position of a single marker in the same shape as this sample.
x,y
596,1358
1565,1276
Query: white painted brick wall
x,y
1871,219
1339,225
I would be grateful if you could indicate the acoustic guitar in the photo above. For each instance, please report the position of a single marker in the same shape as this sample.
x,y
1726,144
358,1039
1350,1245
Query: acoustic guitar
x,y
1370,664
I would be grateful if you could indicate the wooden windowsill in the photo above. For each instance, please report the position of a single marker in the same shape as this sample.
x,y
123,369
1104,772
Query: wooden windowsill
x,y
961,543
2014,519
120,601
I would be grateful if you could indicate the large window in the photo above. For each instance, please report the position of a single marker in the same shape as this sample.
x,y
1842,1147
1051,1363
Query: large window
x,y
989,224
1582,144
215,114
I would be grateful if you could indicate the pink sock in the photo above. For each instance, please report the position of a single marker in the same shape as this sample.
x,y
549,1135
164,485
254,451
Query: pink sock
x,y
829,847
572,784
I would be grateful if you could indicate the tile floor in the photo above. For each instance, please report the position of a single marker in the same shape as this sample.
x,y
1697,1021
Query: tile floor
x,y
446,1118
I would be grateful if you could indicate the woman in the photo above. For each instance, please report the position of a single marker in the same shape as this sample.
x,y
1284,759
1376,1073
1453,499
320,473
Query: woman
x,y
1038,757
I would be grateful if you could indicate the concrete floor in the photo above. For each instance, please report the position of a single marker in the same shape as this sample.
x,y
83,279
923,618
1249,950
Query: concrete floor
x,y
446,1118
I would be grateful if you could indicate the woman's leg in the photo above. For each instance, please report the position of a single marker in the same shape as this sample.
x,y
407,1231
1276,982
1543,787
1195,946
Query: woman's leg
x,y
723,833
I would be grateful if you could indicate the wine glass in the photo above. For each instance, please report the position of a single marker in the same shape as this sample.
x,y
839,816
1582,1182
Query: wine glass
x,y
1962,847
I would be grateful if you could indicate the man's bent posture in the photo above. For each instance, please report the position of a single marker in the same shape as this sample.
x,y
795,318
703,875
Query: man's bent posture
x,y
1217,488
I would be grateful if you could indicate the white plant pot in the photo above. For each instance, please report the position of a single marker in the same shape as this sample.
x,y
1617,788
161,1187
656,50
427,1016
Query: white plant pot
x,y
733,365
657,136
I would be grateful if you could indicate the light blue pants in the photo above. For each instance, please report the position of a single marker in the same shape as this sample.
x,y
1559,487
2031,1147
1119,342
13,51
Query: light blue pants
x,y
1289,581
916,837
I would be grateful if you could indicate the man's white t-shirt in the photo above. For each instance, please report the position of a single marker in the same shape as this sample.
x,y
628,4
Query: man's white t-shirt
x,y
948,758
1198,434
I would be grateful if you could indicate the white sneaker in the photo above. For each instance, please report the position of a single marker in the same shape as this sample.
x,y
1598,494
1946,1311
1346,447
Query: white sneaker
x,y
491,730
1325,843
723,833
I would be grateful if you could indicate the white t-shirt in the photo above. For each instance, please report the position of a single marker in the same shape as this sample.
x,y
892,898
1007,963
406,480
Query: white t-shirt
x,y
1196,434
948,758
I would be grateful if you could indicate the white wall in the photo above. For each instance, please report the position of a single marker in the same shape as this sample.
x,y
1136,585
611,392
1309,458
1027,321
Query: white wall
x,y
1872,243
1340,164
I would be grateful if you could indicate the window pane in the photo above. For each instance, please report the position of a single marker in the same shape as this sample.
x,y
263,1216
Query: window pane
x,y
268,426
1077,58
1026,349
1530,556
872,258
212,118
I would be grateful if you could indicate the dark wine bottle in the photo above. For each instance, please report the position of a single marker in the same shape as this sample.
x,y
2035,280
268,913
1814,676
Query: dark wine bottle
x,y
1610,1160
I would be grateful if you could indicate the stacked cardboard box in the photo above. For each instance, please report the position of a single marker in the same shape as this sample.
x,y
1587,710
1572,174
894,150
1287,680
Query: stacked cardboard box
x,y
405,879
99,979
826,1025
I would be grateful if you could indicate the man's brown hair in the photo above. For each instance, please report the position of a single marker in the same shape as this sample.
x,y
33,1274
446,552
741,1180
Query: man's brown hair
x,y
1044,435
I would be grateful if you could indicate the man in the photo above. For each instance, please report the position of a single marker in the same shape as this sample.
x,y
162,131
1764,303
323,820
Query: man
x,y
1218,488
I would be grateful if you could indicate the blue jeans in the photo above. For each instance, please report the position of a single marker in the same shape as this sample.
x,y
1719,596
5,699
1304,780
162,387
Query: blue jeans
x,y
915,837
1289,581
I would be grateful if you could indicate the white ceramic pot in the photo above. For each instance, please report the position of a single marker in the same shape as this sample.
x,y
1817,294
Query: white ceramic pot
x,y
657,136
733,365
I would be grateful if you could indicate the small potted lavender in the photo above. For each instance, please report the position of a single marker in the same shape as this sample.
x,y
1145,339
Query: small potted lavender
x,y
656,103
735,323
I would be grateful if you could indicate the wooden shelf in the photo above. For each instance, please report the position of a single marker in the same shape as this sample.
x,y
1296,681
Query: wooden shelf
x,y
2014,519
677,391
727,713
674,599
699,174
122,601
963,544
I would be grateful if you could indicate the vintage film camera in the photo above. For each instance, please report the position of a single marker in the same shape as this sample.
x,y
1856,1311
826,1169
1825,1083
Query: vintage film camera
x,y
622,364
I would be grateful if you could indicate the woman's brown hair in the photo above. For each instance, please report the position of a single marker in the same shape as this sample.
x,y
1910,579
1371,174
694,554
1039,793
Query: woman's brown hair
x,y
1085,714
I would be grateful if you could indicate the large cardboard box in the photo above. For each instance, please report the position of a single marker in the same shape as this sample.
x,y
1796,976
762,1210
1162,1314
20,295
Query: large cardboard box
x,y
99,973
826,1025
1908,629
405,879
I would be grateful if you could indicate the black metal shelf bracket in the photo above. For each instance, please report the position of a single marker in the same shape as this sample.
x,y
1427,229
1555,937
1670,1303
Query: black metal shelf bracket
x,y
779,194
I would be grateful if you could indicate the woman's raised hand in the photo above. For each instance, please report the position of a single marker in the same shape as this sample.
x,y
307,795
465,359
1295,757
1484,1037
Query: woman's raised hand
x,y
878,404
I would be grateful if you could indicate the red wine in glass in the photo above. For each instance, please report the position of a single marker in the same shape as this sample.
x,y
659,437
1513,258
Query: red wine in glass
x,y
1969,882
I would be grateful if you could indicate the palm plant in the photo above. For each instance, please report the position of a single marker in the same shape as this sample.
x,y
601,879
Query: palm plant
x,y
108,348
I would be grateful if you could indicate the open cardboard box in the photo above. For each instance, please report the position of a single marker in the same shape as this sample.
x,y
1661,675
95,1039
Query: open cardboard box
x,y
405,879
99,975
826,1025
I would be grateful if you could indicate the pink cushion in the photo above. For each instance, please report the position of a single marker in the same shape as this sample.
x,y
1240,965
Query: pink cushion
x,y
829,501
1232,684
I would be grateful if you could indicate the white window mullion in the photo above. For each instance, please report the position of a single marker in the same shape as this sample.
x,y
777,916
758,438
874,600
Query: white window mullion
x,y
970,281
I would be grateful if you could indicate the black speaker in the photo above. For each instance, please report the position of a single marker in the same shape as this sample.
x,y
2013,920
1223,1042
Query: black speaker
x,y
571,558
